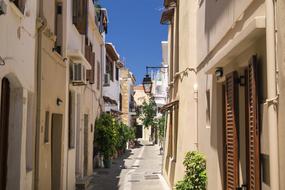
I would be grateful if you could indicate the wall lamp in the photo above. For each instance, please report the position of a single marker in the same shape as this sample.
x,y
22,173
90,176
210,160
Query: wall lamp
x,y
219,72
2,61
58,101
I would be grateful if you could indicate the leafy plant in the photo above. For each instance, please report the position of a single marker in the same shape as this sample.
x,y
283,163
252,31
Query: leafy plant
x,y
105,135
111,135
148,116
148,113
161,125
196,176
125,134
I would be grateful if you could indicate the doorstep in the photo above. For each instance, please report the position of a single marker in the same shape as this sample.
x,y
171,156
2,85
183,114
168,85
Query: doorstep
x,y
83,183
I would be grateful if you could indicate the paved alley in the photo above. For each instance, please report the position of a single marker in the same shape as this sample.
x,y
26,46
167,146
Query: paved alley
x,y
138,169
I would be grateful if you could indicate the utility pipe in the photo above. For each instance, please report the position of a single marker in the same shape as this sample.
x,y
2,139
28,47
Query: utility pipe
x,y
272,94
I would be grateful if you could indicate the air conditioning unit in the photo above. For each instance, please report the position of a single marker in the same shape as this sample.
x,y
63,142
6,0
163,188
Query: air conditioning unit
x,y
107,79
3,7
78,74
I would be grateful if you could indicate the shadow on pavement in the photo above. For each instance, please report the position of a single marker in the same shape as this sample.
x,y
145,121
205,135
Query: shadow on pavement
x,y
108,178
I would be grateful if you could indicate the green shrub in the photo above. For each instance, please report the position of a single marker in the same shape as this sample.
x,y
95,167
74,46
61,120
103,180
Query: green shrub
x,y
111,135
195,176
105,135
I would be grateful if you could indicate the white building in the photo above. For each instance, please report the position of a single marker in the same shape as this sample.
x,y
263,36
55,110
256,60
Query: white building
x,y
111,86
18,93
86,47
160,79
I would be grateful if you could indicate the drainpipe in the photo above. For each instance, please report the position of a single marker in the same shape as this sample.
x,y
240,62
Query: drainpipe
x,y
195,87
41,24
272,95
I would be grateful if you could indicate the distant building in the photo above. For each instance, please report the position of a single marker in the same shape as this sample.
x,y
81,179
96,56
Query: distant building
x,y
111,86
160,79
127,102
141,97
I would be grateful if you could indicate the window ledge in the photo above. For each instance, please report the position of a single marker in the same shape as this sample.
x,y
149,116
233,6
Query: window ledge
x,y
16,10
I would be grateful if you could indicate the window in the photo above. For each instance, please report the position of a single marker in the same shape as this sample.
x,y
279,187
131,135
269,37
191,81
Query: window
x,y
117,73
98,75
208,108
47,121
71,121
80,12
110,68
121,98
58,28
20,4
90,56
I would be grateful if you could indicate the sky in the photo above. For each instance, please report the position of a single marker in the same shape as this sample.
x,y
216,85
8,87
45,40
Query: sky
x,y
135,30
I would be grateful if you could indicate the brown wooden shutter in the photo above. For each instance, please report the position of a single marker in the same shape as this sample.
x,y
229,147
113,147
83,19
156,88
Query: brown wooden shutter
x,y
253,145
98,75
20,4
80,15
231,132
92,77
75,6
87,56
4,131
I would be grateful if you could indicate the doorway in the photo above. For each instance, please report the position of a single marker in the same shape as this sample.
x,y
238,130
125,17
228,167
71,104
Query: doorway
x,y
56,151
86,121
4,130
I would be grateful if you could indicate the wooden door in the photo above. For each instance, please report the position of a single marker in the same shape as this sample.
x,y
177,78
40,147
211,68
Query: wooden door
x,y
4,129
56,147
252,113
231,132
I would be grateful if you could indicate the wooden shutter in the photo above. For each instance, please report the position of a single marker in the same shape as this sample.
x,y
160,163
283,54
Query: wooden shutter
x,y
20,4
231,132
87,56
98,75
80,15
4,125
92,77
253,146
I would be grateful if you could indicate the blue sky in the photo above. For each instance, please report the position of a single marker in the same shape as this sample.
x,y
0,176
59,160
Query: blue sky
x,y
135,30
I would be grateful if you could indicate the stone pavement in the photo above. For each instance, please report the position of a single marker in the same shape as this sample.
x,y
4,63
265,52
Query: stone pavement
x,y
138,169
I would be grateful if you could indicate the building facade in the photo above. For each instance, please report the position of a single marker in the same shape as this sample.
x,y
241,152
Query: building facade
x,y
18,67
111,89
127,102
140,97
160,79
224,74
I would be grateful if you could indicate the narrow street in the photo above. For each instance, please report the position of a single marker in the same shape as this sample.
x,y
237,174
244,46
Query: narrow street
x,y
139,168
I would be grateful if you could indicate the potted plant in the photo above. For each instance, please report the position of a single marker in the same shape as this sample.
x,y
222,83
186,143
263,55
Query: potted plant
x,y
105,137
195,175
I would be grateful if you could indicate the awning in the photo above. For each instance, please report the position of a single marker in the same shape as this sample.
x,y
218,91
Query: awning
x,y
168,106
109,100
167,15
167,3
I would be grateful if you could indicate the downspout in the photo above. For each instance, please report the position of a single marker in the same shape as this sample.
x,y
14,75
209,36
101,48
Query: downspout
x,y
41,25
195,88
272,94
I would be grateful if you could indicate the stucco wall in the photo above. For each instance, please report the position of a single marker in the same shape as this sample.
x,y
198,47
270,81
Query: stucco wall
x,y
17,48
280,60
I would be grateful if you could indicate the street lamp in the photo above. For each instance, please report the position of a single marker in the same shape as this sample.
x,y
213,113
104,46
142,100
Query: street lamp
x,y
147,84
